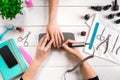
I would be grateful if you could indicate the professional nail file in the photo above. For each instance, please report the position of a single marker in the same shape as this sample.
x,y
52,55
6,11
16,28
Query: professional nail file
x,y
94,35
67,35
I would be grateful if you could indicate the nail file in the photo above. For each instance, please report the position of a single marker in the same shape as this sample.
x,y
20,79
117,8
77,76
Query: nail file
x,y
25,55
29,3
66,35
94,35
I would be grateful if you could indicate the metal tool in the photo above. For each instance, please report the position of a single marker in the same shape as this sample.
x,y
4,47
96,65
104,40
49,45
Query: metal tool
x,y
115,43
117,50
105,41
20,39
9,28
78,44
100,36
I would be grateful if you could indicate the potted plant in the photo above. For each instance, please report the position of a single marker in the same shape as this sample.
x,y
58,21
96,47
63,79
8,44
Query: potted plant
x,y
10,8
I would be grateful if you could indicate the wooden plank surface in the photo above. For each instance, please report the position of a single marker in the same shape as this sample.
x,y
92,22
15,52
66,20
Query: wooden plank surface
x,y
74,2
36,16
105,73
70,19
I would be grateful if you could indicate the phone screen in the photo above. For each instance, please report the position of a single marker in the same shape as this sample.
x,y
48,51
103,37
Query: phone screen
x,y
8,56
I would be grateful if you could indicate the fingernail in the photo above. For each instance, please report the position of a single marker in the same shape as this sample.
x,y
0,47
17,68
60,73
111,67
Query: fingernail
x,y
52,39
47,35
55,46
63,44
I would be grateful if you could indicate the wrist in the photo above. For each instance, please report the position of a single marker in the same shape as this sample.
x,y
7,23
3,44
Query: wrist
x,y
52,21
80,57
37,62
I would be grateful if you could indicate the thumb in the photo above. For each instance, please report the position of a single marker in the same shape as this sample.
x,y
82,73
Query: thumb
x,y
66,47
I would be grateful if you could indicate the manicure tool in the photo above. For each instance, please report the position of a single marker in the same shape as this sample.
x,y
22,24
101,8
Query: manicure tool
x,y
117,50
115,43
94,35
20,39
100,36
9,28
80,44
25,55
105,41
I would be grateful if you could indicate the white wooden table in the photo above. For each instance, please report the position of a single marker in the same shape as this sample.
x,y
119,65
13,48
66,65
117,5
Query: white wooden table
x,y
70,19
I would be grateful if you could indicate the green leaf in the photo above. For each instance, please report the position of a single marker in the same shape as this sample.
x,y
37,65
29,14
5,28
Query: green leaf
x,y
10,8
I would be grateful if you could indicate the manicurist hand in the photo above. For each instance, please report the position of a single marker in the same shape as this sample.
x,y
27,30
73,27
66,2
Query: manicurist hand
x,y
42,52
43,49
86,70
72,50
55,33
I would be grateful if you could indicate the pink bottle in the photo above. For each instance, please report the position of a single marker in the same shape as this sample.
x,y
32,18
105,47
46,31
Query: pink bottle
x,y
29,3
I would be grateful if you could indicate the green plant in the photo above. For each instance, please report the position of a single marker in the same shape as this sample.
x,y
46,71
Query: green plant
x,y
10,8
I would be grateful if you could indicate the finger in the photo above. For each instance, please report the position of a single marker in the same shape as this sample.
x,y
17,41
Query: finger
x,y
41,40
52,37
56,41
66,47
61,35
48,36
54,44
69,41
48,46
59,40
44,41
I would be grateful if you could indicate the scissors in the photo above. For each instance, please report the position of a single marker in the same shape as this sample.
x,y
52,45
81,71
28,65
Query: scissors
x,y
9,28
105,41
20,39
100,36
